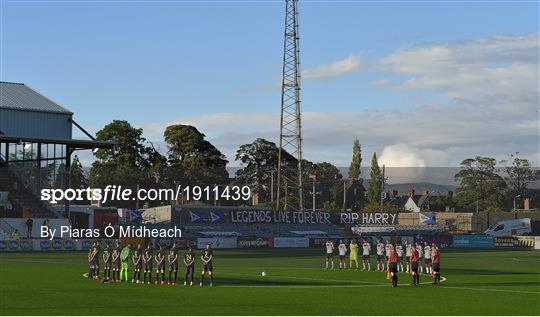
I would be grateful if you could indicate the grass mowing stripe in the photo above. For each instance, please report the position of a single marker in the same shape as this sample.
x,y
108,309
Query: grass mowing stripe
x,y
491,290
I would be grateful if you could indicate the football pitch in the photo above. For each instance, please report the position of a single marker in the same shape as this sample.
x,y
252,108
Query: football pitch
x,y
477,283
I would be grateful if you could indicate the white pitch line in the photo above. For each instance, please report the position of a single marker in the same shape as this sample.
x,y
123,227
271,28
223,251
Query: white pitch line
x,y
529,261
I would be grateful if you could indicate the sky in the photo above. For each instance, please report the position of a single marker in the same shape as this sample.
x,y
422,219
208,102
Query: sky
x,y
421,83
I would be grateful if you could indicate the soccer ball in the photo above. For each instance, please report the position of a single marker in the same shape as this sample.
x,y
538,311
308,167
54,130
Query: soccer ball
x,y
263,273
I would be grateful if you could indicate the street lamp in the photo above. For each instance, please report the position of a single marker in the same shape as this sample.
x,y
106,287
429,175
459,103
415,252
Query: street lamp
x,y
515,201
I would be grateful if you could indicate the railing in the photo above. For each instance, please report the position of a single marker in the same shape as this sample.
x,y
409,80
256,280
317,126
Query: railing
x,y
6,227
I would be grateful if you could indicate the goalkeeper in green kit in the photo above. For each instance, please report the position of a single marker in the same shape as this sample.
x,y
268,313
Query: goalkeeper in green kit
x,y
353,256
124,260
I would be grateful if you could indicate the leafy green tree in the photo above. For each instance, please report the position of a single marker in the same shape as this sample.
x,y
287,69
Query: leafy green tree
x,y
131,164
260,163
192,159
519,175
354,168
374,190
480,187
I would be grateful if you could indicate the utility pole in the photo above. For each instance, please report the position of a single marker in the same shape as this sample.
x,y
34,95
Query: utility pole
x,y
313,178
344,195
289,178
382,190
272,186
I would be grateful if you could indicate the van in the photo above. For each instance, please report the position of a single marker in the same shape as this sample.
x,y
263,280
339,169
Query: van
x,y
513,227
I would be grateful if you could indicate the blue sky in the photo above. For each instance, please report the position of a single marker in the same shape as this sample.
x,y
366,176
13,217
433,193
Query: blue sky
x,y
216,64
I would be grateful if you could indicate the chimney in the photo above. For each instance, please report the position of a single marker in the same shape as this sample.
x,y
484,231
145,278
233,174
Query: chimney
x,y
411,192
527,203
425,192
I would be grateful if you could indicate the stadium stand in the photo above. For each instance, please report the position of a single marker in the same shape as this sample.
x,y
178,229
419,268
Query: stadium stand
x,y
22,195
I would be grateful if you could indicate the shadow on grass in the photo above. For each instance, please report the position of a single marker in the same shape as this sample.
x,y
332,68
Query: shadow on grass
x,y
485,272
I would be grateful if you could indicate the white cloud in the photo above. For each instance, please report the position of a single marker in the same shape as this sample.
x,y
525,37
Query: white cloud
x,y
350,64
492,85
471,70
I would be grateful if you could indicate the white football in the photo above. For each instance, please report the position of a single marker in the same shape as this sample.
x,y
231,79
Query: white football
x,y
263,273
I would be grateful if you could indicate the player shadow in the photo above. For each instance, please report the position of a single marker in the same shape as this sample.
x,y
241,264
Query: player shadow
x,y
235,281
495,283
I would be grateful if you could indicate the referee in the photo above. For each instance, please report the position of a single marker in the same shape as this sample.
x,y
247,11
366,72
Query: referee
x,y
392,266
436,266
414,266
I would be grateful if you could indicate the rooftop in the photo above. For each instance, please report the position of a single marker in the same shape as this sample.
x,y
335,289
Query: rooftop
x,y
18,96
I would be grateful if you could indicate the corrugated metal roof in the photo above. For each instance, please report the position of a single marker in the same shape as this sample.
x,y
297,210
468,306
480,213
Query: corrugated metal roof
x,y
18,96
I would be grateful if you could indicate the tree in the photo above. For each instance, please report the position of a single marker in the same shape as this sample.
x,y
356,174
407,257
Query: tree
x,y
260,160
480,187
192,159
354,168
131,164
519,175
77,176
328,185
374,190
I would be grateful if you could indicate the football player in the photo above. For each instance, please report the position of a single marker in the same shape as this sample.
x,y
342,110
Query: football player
x,y
148,258
380,256
189,263
107,261
366,249
353,255
399,251
342,249
160,265
137,264
173,264
207,262
329,254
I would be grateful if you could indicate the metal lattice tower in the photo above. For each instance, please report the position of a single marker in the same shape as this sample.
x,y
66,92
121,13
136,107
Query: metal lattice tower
x,y
289,179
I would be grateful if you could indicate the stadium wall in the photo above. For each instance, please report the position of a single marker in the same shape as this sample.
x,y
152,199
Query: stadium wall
x,y
444,241
468,221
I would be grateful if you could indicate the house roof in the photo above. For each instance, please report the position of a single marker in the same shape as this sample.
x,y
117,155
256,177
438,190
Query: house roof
x,y
18,96
419,200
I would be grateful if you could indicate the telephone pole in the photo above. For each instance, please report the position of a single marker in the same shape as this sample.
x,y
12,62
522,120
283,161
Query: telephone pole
x,y
289,178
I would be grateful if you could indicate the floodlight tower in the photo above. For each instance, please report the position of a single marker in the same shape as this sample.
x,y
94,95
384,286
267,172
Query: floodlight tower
x,y
289,178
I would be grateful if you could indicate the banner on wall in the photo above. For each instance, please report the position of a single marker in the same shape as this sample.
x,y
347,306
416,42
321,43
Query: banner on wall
x,y
269,216
368,218
291,242
427,218
217,242
254,242
442,240
473,241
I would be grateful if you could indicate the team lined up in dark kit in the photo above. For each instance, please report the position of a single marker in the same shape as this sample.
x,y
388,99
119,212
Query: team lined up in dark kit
x,y
116,264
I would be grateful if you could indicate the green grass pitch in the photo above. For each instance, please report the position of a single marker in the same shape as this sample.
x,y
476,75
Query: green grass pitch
x,y
477,283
